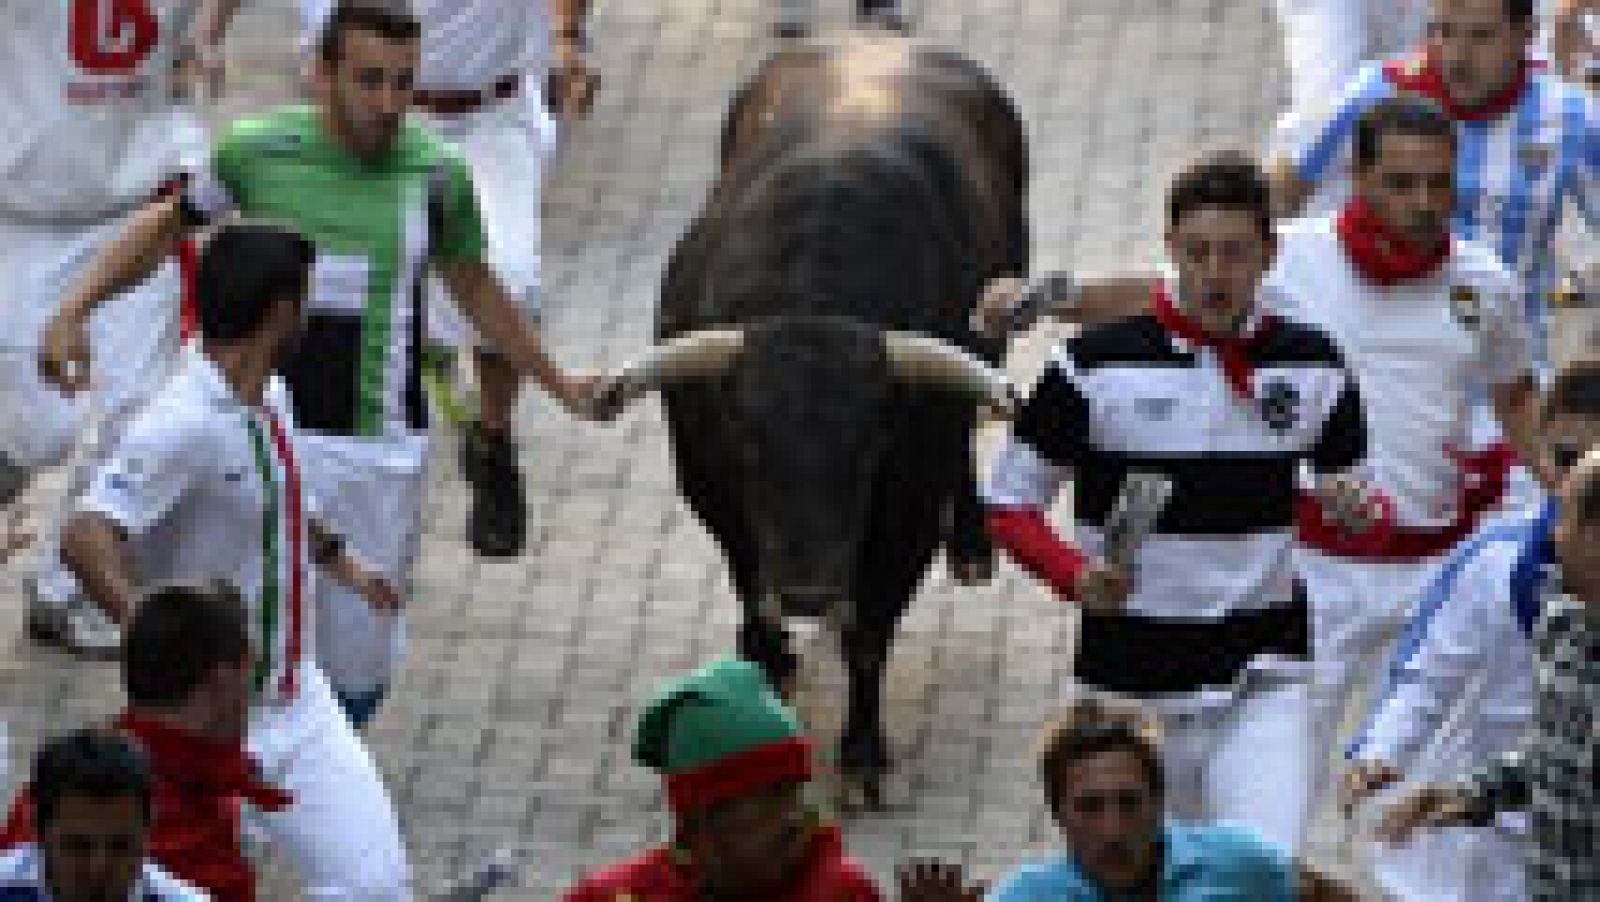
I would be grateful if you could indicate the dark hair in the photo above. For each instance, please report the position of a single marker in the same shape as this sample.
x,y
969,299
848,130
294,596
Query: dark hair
x,y
1403,114
178,636
244,270
392,20
1575,389
1519,10
1093,724
95,763
1228,179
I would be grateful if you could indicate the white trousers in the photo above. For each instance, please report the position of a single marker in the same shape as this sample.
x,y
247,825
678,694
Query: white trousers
x,y
1357,611
370,491
506,145
1247,760
341,833
1455,864
1326,41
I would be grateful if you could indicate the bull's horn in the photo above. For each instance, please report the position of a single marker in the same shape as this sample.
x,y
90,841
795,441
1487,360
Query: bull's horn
x,y
692,355
923,360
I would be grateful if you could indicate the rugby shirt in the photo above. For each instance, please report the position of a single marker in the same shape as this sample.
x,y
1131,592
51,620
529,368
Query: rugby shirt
x,y
1214,589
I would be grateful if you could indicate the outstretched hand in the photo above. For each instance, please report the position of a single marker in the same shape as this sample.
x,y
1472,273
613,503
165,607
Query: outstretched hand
x,y
924,880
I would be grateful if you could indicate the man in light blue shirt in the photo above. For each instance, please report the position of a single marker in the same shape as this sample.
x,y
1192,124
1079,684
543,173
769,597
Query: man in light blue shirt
x,y
1102,774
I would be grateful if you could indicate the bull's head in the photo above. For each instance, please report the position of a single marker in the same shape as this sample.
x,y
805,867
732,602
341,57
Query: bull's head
x,y
810,408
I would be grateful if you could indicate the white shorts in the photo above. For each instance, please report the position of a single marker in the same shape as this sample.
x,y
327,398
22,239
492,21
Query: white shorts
x,y
506,145
370,491
134,338
341,833
1248,760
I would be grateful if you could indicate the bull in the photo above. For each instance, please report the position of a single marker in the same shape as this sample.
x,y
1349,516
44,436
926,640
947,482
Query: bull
x,y
820,378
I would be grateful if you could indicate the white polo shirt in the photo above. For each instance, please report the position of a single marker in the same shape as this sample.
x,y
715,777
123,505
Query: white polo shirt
x,y
1417,349
206,487
22,879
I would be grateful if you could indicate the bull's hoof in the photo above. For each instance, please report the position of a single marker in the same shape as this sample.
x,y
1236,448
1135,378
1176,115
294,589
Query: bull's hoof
x,y
972,569
860,792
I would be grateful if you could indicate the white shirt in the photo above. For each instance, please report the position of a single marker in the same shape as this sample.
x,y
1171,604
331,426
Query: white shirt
x,y
89,121
466,44
1463,634
22,871
201,485
1418,350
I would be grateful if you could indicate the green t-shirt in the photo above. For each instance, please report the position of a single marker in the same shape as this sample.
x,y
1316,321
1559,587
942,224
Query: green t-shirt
x,y
376,224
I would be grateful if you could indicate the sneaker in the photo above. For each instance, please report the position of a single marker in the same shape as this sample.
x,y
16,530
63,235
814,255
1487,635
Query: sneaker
x,y
887,16
74,626
497,524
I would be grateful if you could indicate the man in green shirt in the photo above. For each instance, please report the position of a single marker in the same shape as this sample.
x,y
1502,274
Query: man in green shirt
x,y
385,203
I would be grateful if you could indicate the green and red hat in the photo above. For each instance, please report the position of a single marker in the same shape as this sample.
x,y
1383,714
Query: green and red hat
x,y
720,733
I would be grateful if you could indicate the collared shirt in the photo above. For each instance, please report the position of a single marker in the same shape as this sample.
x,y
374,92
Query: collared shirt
x,y
1198,864
206,487
1418,349
1555,773
22,880
1514,174
1215,587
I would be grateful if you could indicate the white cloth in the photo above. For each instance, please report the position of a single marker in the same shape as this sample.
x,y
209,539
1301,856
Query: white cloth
x,y
134,338
1459,694
190,486
1248,762
341,833
506,145
89,120
466,44
22,870
1357,609
1418,351
370,491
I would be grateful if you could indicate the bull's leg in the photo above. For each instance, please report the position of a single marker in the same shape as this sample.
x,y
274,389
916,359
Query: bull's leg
x,y
863,747
762,639
968,548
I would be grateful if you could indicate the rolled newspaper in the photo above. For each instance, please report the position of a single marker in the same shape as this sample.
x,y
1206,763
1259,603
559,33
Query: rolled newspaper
x,y
1133,517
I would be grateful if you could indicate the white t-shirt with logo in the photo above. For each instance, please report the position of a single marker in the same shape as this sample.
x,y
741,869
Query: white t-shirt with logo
x,y
90,124
1418,350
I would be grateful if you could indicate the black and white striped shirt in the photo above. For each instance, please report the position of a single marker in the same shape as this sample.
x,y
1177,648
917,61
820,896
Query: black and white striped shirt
x,y
1214,587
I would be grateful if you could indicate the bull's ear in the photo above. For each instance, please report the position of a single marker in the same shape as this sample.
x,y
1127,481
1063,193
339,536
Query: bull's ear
x,y
702,354
923,360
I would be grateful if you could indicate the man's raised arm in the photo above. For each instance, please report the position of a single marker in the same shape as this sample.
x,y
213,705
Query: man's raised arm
x,y
133,256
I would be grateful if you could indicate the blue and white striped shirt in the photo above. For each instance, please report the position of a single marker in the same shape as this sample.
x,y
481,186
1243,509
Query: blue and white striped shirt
x,y
1515,174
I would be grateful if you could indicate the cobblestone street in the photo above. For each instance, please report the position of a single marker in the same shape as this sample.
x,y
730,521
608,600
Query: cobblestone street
x,y
511,721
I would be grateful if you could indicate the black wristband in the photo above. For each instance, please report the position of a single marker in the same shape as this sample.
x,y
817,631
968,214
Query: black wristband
x,y
326,547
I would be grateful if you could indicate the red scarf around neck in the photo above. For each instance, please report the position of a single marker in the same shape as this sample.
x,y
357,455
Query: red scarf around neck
x,y
1232,350
208,766
1420,74
1379,253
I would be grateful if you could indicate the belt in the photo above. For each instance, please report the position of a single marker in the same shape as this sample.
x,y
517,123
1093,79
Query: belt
x,y
457,103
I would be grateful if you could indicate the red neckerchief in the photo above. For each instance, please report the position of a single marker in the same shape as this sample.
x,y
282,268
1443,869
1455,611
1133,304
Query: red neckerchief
x,y
1381,255
1419,73
1232,350
209,766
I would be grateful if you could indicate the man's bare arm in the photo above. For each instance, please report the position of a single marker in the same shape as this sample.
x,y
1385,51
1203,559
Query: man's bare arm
x,y
1516,406
489,308
1289,191
132,257
92,548
1316,887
